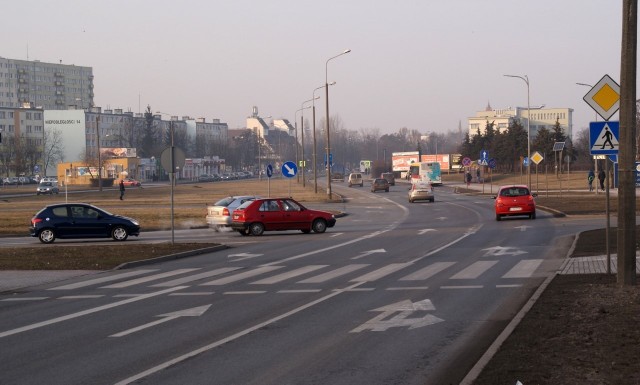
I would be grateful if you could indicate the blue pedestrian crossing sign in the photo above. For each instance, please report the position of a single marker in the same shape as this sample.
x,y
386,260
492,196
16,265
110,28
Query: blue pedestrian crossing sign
x,y
289,169
604,138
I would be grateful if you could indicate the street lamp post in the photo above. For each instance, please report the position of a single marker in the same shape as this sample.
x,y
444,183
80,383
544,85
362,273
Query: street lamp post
x,y
525,78
315,157
302,127
99,157
295,123
172,176
326,93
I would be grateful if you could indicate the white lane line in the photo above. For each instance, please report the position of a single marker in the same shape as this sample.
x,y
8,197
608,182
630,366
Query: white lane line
x,y
88,311
334,273
232,337
523,269
289,274
195,277
408,288
24,299
81,296
462,287
97,281
193,293
241,276
382,272
148,279
299,291
508,286
244,292
474,270
428,272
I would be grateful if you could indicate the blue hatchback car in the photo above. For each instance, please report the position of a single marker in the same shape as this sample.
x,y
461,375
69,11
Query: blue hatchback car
x,y
80,220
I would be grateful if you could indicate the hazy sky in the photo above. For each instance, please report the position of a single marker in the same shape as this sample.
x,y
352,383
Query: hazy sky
x,y
422,64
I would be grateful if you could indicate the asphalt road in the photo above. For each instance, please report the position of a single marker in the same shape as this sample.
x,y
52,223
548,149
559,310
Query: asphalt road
x,y
396,293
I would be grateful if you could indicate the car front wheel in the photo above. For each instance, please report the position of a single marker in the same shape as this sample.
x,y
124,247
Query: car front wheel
x,y
119,233
319,226
47,236
256,228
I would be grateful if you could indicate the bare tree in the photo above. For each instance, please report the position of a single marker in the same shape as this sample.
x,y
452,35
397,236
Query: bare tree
x,y
53,148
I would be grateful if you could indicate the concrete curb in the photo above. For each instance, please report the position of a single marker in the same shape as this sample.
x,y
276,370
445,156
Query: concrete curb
x,y
150,261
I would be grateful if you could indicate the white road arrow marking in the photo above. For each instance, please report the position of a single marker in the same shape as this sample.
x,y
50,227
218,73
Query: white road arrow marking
x,y
442,218
420,232
335,234
243,256
364,254
193,312
522,228
402,310
499,250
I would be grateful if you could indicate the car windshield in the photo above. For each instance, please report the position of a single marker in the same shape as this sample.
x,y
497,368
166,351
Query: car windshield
x,y
224,201
244,205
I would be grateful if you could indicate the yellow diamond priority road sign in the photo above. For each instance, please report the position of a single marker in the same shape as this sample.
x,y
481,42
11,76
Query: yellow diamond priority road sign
x,y
604,97
536,157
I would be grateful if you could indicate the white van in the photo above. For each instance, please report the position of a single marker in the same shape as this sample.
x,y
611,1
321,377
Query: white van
x,y
356,178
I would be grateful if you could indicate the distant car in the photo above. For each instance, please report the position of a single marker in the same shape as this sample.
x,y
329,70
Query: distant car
x,y
205,178
80,220
337,177
269,214
47,188
515,200
389,177
219,214
379,184
129,182
355,178
421,191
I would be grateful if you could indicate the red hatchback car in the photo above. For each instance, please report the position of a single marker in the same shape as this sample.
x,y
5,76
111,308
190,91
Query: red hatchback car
x,y
515,200
267,214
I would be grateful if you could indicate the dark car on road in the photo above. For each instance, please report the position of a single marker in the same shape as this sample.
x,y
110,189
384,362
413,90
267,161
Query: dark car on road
x,y
267,214
379,184
80,220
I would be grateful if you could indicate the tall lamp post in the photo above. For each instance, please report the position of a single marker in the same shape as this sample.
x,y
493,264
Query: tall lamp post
x,y
172,175
315,157
302,128
326,93
99,157
295,123
525,78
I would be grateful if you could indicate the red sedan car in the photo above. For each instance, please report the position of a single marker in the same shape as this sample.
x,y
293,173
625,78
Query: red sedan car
x,y
515,200
268,214
129,182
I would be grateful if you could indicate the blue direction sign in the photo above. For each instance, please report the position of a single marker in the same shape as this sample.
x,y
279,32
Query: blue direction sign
x,y
525,161
484,155
604,138
492,163
289,169
269,171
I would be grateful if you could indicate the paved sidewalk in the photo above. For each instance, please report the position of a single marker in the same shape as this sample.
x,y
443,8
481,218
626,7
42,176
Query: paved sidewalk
x,y
594,265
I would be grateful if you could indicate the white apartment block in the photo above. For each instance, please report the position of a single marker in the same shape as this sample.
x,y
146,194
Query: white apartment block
x,y
540,117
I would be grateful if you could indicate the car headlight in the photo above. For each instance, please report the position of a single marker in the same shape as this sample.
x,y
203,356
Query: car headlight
x,y
135,222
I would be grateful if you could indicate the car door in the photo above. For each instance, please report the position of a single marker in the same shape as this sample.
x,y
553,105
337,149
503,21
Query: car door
x,y
88,222
294,216
271,215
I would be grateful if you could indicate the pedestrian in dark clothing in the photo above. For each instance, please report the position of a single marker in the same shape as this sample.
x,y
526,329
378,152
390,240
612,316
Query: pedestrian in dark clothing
x,y
601,178
121,189
468,178
590,177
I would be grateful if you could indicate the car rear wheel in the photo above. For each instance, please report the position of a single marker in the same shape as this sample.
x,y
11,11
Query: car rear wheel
x,y
47,236
119,233
319,226
256,228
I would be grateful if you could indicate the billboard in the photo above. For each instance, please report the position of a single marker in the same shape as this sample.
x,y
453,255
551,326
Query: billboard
x,y
71,125
118,152
400,161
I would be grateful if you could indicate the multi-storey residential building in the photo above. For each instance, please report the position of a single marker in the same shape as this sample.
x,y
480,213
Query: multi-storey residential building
x,y
22,145
50,86
540,117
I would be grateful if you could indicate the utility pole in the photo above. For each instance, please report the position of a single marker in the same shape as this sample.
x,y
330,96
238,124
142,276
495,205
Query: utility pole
x,y
627,150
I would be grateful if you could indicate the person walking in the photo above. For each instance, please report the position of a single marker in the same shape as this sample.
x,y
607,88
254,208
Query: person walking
x,y
601,178
468,178
590,177
121,189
